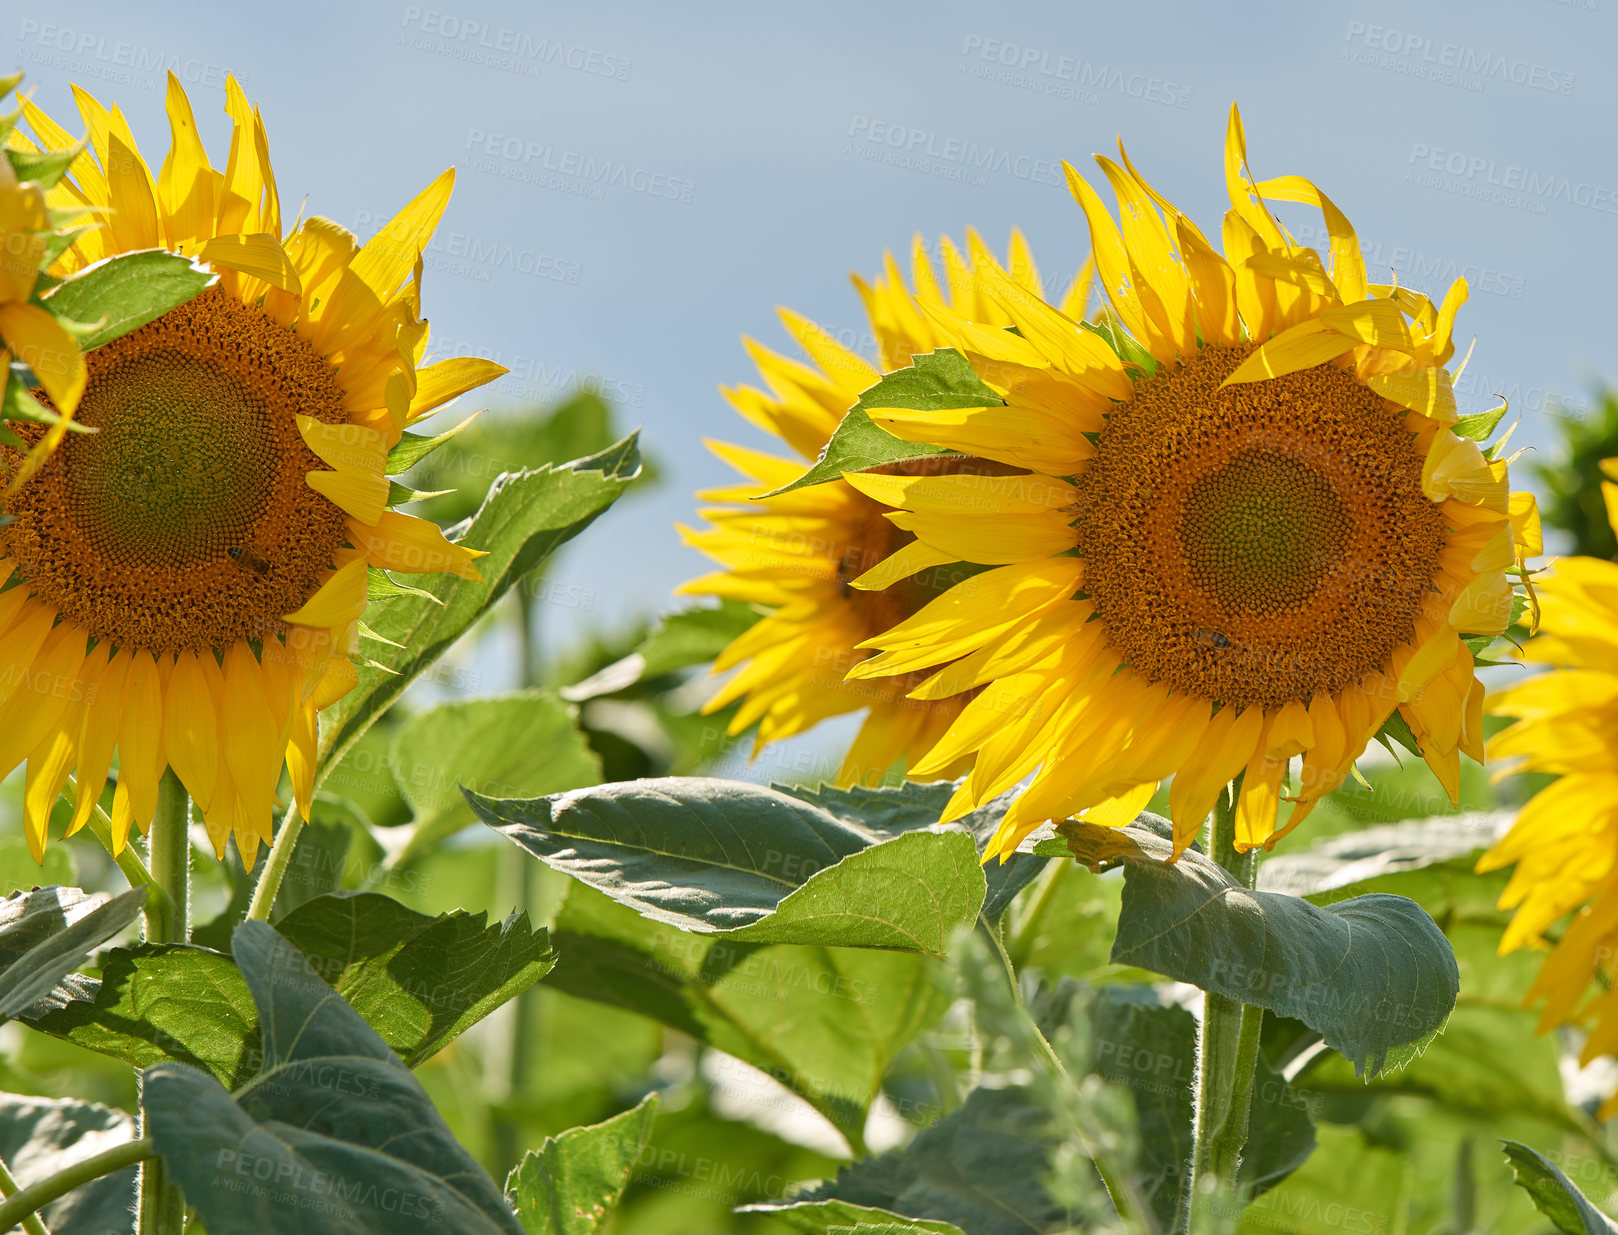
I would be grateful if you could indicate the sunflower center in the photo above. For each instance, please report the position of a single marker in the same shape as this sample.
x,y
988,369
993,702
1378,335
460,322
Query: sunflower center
x,y
185,520
1262,532
1259,543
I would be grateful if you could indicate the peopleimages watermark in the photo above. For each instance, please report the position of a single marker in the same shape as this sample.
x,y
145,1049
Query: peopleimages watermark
x,y
88,53
1505,184
477,257
532,162
953,158
531,376
503,47
1449,64
1064,77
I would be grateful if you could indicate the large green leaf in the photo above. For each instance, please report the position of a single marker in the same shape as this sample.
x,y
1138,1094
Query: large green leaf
x,y
984,1167
418,981
1373,975
39,1137
48,933
1488,1063
1555,1195
506,746
938,380
572,1182
757,864
122,293
524,518
1149,1048
333,1135
824,1022
160,1002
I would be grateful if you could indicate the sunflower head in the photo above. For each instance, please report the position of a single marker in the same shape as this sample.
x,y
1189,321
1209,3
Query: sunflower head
x,y
1247,523
797,556
195,568
1563,845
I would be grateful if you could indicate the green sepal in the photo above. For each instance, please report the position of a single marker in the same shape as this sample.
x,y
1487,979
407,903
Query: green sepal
x,y
414,447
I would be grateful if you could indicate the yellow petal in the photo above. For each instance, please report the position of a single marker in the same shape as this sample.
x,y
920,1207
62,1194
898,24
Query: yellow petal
x,y
257,254
41,342
339,601
414,546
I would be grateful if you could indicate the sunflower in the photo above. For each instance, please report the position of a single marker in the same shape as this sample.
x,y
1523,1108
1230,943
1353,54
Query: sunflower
x,y
183,587
1242,527
797,554
1564,843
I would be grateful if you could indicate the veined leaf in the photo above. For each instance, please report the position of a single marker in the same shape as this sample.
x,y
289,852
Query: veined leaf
x,y
122,293
824,1022
1373,975
1555,1195
333,1116
937,380
757,864
524,518
572,1182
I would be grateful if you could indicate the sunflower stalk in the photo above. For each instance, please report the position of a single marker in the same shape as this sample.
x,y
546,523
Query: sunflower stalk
x,y
168,920
1227,1061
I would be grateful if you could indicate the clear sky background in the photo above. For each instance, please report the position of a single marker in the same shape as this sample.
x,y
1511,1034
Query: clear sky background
x,y
751,142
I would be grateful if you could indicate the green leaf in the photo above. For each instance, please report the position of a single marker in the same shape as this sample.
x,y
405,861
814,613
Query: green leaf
x,y
48,933
938,380
983,1168
825,1022
333,1135
122,293
681,639
524,518
893,810
507,746
161,1002
1554,1194
44,166
1373,975
1481,427
756,864
1149,1048
572,1182
843,1218
418,981
40,1137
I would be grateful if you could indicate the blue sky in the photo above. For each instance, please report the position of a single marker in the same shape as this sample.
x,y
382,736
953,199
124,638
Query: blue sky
x,y
750,151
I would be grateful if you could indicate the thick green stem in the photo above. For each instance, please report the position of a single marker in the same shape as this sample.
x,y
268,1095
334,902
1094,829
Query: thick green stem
x,y
161,1210
168,854
1227,1059
275,866
31,1224
20,1207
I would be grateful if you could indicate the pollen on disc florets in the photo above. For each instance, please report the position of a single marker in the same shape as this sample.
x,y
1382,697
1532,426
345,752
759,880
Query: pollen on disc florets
x,y
1259,543
185,520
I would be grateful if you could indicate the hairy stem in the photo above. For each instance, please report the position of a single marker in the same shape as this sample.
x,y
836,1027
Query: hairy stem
x,y
275,866
22,1206
1227,1059
168,853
